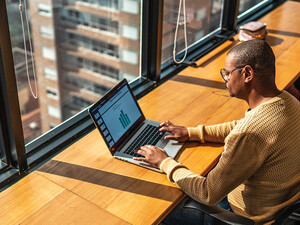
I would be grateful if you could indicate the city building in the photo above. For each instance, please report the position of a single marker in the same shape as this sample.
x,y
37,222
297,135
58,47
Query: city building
x,y
82,49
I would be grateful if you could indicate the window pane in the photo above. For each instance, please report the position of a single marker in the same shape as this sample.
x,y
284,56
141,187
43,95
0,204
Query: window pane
x,y
202,17
3,159
80,49
47,32
248,4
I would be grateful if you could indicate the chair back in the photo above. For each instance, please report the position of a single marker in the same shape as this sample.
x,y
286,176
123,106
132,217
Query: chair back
x,y
291,213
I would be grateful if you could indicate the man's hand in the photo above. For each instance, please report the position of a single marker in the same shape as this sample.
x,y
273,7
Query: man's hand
x,y
180,133
153,155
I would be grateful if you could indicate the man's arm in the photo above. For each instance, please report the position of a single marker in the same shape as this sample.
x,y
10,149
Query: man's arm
x,y
213,133
240,159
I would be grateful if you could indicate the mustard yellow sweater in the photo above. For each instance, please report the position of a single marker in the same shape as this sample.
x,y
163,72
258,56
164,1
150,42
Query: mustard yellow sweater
x,y
259,169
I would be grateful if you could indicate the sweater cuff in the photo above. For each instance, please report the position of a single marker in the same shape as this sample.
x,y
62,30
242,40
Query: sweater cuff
x,y
196,133
167,163
169,166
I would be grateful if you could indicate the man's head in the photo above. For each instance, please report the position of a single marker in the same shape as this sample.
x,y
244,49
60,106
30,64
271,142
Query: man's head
x,y
254,63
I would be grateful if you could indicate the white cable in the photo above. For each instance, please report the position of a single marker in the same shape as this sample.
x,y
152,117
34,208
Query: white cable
x,y
176,30
25,48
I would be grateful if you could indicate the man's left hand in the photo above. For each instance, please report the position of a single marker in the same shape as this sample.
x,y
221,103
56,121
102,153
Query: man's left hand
x,y
152,155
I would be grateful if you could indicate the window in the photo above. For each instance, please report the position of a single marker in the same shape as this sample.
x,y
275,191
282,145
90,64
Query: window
x,y
110,4
95,45
73,51
4,162
44,9
54,111
47,31
202,18
247,4
130,6
99,43
129,56
130,32
50,73
52,93
48,53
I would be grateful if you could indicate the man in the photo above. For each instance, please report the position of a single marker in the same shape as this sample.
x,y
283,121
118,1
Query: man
x,y
259,168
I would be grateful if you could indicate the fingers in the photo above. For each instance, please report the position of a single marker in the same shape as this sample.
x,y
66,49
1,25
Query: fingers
x,y
146,151
171,137
142,159
166,124
140,152
152,155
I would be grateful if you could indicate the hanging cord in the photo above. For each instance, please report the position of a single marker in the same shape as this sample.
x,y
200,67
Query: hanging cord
x,y
176,30
25,48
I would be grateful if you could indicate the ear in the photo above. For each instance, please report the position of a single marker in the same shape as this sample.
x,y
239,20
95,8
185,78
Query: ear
x,y
248,73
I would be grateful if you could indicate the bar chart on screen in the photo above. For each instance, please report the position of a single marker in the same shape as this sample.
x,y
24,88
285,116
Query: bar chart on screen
x,y
124,119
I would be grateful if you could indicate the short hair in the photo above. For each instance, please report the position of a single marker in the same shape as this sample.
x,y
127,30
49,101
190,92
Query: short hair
x,y
258,54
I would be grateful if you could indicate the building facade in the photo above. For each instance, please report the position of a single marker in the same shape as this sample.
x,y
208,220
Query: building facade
x,y
82,49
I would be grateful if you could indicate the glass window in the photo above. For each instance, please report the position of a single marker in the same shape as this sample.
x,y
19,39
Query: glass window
x,y
44,9
130,32
130,6
50,73
47,32
52,92
54,111
82,61
202,18
129,56
246,5
3,158
48,53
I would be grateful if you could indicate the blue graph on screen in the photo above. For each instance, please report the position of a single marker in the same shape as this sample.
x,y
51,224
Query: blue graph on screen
x,y
124,119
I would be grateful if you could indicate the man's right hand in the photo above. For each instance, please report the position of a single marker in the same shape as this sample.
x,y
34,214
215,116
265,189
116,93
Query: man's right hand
x,y
180,133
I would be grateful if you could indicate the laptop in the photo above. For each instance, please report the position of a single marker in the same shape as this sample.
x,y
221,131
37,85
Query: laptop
x,y
123,126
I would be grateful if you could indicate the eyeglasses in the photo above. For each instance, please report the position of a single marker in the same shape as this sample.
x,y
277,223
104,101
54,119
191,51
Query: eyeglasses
x,y
225,73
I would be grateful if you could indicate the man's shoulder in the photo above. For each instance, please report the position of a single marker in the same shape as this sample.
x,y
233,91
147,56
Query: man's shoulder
x,y
274,113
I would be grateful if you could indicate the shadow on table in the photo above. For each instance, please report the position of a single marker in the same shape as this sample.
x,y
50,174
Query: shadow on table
x,y
109,179
200,81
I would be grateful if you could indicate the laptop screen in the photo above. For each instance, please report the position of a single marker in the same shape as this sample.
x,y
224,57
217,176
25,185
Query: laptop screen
x,y
116,114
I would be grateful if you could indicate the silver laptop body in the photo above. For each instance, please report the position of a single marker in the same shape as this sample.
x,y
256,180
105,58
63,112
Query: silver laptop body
x,y
120,121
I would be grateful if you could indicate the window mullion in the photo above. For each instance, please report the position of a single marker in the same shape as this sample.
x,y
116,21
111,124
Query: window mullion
x,y
152,38
13,135
229,15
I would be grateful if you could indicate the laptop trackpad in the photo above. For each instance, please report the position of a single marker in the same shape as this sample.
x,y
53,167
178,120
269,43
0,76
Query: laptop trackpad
x,y
171,147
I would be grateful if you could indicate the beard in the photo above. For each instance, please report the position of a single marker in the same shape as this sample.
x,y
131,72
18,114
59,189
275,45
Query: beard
x,y
229,92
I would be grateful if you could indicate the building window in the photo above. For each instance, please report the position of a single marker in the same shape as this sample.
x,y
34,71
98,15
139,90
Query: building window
x,y
130,6
130,32
44,9
48,53
52,93
50,73
95,45
129,56
47,32
54,112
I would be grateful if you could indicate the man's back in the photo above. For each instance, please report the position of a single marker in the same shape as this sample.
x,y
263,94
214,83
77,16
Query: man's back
x,y
273,127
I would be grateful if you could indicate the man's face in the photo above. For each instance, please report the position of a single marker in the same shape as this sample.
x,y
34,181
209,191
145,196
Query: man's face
x,y
234,83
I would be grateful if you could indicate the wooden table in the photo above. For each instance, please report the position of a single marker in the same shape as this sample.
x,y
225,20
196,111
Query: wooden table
x,y
85,185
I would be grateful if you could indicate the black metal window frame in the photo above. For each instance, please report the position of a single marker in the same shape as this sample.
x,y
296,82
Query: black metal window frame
x,y
18,159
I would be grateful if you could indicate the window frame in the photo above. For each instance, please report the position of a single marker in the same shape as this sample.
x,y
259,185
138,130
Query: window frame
x,y
258,11
21,159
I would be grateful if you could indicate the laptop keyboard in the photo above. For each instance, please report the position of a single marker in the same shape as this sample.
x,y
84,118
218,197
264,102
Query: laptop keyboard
x,y
149,136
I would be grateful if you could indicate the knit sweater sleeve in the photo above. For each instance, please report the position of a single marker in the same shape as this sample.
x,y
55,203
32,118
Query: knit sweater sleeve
x,y
213,133
239,160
